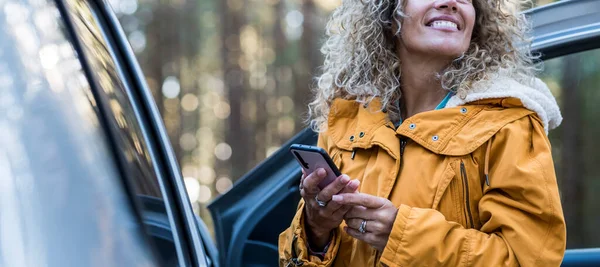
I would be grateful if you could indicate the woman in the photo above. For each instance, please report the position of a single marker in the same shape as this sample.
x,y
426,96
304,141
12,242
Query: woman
x,y
432,111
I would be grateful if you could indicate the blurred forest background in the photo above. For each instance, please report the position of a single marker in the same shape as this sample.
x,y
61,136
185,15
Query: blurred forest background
x,y
232,79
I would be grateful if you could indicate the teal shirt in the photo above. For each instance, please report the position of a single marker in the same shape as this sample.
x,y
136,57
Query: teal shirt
x,y
441,105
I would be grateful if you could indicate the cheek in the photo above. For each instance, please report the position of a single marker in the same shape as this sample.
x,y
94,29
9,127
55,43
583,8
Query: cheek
x,y
409,29
470,18
469,32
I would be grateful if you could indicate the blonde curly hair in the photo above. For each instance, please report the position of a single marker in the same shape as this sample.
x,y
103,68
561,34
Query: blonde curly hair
x,y
361,61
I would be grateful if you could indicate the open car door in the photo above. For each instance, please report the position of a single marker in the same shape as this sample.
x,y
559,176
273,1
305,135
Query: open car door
x,y
249,218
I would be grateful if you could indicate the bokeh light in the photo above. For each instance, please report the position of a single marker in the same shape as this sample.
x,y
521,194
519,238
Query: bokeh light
x,y
171,87
204,194
223,184
223,151
193,188
188,141
222,110
206,174
189,102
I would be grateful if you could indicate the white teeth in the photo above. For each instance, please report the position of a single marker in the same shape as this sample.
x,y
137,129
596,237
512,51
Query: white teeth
x,y
444,24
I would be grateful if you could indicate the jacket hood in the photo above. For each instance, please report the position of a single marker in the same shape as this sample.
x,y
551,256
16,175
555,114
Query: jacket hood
x,y
535,97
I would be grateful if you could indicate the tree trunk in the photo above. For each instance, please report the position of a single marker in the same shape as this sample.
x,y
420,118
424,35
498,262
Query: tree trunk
x,y
188,34
572,193
307,64
280,43
236,136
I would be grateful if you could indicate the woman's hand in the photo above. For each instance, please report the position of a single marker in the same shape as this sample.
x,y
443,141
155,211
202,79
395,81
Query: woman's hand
x,y
377,213
320,220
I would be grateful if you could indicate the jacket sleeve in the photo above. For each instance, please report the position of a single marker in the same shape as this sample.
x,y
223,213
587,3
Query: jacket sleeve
x,y
293,242
521,213
293,245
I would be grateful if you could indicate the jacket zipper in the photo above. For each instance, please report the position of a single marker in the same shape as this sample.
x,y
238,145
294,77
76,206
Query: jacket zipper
x,y
463,173
402,146
294,261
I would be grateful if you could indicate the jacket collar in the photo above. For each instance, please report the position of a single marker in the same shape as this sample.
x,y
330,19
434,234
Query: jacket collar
x,y
352,125
459,129
450,131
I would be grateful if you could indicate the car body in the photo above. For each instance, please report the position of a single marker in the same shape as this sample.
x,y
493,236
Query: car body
x,y
87,173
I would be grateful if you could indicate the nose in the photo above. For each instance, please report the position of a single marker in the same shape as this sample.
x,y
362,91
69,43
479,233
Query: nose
x,y
447,4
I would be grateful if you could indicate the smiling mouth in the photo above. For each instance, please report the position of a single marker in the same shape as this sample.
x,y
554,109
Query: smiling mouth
x,y
443,25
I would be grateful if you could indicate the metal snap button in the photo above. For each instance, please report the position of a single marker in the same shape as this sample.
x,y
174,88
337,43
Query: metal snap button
x,y
412,126
463,110
352,138
435,138
361,134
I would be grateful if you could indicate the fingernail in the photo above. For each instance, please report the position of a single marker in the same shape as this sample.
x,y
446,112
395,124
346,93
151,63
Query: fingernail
x,y
321,172
337,198
344,178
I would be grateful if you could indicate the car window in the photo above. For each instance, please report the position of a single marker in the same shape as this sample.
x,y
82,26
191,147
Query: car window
x,y
231,80
62,199
575,81
117,92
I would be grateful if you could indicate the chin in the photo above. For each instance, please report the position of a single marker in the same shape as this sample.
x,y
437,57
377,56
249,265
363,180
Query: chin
x,y
446,48
447,52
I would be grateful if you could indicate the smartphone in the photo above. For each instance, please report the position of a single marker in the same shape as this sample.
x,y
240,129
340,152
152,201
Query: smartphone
x,y
311,158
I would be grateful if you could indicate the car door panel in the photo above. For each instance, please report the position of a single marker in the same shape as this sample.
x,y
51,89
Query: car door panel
x,y
582,257
565,27
249,218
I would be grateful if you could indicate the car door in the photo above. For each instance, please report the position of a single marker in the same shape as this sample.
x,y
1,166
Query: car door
x,y
62,199
138,137
249,218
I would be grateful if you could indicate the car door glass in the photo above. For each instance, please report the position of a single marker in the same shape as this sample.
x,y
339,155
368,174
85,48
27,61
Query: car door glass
x,y
62,199
575,81
115,90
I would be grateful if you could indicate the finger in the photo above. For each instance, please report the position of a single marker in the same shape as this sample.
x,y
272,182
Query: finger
x,y
339,213
304,194
366,237
311,182
301,186
333,188
309,200
361,199
336,209
351,187
358,212
371,226
338,184
354,223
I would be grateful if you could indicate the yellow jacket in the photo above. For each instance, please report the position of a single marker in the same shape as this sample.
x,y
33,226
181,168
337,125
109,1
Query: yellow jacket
x,y
474,182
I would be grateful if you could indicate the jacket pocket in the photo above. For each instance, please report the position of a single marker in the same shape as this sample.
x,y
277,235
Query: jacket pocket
x,y
452,196
467,196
